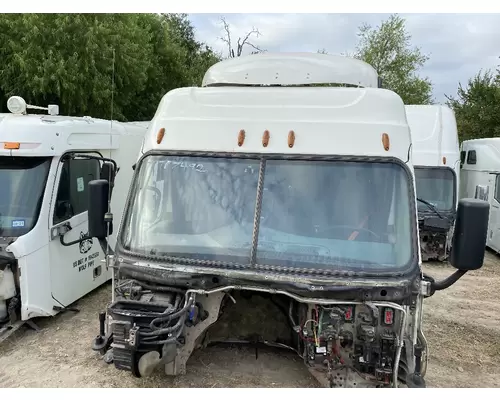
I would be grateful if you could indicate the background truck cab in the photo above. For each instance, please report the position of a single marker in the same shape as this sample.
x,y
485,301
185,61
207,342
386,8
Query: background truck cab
x,y
436,161
47,261
480,178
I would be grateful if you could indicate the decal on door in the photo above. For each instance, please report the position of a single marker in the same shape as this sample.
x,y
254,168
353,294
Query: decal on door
x,y
86,262
85,245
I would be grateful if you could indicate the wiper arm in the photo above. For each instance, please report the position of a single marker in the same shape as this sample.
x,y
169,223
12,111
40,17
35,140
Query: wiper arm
x,y
431,207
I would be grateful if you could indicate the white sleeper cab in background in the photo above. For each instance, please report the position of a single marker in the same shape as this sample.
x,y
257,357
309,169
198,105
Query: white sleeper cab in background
x,y
277,203
47,260
436,160
480,178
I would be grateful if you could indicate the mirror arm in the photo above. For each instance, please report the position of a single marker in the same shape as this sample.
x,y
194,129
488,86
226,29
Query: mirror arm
x,y
89,157
445,283
78,241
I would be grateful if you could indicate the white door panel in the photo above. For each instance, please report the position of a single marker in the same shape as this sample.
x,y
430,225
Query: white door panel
x,y
76,269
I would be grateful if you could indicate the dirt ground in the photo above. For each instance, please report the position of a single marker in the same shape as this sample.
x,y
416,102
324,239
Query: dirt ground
x,y
462,326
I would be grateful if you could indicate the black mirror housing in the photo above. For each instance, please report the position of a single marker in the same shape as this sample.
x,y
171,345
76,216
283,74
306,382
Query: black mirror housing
x,y
108,172
98,207
471,230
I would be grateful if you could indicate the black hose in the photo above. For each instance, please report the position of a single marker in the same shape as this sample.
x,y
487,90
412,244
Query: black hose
x,y
172,339
169,317
164,331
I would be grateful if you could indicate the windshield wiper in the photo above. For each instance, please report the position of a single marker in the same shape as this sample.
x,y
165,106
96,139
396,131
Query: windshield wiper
x,y
431,207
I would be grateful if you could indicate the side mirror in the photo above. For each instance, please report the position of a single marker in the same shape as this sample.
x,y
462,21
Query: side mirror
x,y
108,173
98,207
471,230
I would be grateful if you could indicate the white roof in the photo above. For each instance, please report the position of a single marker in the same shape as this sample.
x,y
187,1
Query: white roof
x,y
434,135
325,120
46,135
142,124
291,69
487,154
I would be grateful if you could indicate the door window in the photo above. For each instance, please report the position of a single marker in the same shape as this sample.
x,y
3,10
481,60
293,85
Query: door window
x,y
72,195
471,157
497,188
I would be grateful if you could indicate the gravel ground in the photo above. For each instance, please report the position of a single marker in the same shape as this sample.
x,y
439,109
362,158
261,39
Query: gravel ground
x,y
462,326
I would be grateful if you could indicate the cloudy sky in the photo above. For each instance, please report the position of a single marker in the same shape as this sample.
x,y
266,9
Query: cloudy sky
x,y
459,45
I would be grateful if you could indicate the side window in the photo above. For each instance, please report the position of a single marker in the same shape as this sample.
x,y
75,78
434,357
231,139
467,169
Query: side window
x,y
471,157
497,188
72,197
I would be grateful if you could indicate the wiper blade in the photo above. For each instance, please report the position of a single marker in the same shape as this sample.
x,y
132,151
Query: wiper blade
x,y
430,206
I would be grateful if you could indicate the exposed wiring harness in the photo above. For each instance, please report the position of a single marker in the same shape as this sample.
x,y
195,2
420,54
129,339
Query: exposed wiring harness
x,y
170,323
166,327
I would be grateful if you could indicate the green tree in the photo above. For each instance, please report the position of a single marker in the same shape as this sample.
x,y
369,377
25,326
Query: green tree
x,y
197,56
477,106
67,59
388,49
177,60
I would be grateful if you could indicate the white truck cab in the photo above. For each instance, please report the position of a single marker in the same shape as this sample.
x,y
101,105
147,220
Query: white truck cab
x,y
436,160
267,207
480,178
47,261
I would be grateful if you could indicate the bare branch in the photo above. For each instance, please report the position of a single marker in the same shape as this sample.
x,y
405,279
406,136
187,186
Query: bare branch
x,y
253,31
255,47
227,39
241,43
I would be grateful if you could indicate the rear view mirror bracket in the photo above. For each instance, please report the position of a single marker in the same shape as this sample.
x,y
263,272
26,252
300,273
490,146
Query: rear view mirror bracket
x,y
445,283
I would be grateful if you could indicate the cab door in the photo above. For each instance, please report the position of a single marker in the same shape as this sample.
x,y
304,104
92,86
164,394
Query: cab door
x,y
78,268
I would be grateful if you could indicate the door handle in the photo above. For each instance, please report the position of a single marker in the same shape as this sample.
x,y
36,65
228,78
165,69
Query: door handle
x,y
60,230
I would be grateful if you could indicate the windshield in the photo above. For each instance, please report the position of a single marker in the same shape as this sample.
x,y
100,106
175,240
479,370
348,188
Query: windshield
x,y
436,186
314,214
22,184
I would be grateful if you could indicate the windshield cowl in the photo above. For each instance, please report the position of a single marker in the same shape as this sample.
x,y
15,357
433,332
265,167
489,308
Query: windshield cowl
x,y
342,286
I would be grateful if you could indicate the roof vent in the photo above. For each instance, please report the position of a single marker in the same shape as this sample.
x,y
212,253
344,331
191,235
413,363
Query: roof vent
x,y
291,69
